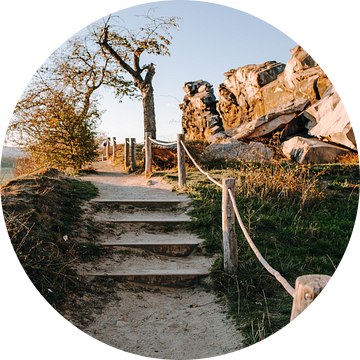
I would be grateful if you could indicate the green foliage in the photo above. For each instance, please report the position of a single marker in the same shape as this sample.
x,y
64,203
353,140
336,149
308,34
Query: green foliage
x,y
56,118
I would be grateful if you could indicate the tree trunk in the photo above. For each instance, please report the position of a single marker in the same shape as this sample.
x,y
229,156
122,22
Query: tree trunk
x,y
149,110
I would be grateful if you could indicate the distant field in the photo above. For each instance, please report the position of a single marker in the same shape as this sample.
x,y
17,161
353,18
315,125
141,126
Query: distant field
x,y
6,170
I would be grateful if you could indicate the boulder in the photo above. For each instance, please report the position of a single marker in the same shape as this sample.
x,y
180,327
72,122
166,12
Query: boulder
x,y
328,119
200,118
271,122
311,151
254,151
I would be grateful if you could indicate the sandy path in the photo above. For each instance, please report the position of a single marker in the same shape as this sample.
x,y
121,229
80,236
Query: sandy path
x,y
152,321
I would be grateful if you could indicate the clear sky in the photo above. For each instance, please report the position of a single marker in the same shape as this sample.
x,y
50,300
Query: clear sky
x,y
211,40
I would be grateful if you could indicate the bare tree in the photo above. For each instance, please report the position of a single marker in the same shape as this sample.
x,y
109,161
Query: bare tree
x,y
126,47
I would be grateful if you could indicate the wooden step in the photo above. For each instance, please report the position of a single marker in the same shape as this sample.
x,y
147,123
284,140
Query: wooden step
x,y
159,278
152,217
150,221
178,244
154,271
141,203
163,249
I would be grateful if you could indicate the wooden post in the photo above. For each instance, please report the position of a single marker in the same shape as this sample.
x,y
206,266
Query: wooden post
x,y
114,149
307,288
181,160
108,148
133,154
228,227
148,156
126,154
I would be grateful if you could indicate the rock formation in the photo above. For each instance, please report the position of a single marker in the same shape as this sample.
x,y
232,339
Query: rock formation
x,y
254,151
200,118
296,99
257,89
242,89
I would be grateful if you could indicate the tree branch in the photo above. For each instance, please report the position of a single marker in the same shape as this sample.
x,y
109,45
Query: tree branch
x,y
104,43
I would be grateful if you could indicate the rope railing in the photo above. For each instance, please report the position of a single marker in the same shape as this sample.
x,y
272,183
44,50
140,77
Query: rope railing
x,y
198,167
266,265
272,271
162,143
307,287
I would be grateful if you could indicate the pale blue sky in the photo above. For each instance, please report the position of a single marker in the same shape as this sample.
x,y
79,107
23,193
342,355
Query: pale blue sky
x,y
211,40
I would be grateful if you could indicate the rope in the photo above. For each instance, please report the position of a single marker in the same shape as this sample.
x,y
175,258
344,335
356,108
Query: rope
x,y
162,143
203,172
136,143
272,271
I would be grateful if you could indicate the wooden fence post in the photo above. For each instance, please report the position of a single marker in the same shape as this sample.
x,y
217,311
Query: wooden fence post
x,y
181,160
307,288
133,154
228,227
148,155
114,149
126,154
108,148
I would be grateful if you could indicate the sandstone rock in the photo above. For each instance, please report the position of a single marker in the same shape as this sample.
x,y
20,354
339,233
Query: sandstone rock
x,y
200,118
254,90
311,151
300,60
244,84
271,122
328,119
254,151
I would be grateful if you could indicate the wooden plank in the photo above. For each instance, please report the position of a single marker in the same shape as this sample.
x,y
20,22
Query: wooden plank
x,y
147,221
133,154
228,228
307,288
114,149
181,160
126,154
148,155
108,148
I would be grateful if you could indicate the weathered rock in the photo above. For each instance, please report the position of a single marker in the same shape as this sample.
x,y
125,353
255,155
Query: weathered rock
x,y
271,122
328,119
218,137
245,95
311,151
254,151
300,60
200,118
241,90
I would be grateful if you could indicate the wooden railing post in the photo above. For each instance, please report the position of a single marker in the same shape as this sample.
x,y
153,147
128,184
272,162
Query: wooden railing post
x,y
108,148
133,154
228,227
307,288
114,149
148,155
181,160
126,154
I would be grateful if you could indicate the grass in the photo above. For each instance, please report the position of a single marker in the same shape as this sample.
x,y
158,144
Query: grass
x,y
42,211
299,216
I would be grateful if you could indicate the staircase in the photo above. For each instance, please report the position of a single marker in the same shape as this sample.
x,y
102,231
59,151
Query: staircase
x,y
151,232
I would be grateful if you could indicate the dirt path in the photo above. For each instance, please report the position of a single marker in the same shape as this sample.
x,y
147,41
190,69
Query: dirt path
x,y
149,320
